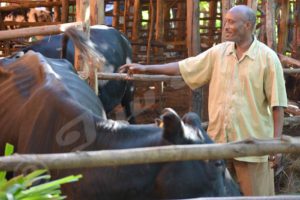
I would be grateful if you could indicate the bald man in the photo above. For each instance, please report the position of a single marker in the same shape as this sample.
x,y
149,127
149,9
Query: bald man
x,y
246,94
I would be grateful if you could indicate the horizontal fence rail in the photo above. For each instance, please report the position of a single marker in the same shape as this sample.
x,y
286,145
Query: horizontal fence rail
x,y
146,77
171,153
133,77
39,30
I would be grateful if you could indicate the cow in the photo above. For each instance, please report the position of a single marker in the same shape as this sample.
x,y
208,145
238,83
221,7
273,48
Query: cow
x,y
27,15
115,48
47,108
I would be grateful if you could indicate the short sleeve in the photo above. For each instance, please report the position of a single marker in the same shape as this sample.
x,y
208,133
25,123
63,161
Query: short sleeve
x,y
196,71
274,84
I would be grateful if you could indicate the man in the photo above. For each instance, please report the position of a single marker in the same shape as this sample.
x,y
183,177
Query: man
x,y
246,93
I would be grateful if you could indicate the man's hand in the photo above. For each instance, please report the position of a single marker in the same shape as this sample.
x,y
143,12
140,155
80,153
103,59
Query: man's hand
x,y
276,160
132,68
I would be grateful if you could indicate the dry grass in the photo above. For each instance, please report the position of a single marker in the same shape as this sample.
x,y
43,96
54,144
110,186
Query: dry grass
x,y
287,179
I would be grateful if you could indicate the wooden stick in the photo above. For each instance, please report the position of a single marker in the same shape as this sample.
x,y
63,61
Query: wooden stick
x,y
30,5
26,24
153,154
134,77
288,60
291,71
40,30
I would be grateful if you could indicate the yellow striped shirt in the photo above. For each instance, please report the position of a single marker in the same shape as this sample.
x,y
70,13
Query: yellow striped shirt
x,y
241,92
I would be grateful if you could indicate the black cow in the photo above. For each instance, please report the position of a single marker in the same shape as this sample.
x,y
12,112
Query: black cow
x,y
47,108
116,50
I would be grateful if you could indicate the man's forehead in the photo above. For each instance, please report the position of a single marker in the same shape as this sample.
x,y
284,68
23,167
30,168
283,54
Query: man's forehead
x,y
235,15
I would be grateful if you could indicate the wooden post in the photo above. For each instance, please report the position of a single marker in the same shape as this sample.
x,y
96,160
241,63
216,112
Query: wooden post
x,y
159,26
262,29
83,14
270,23
115,22
283,26
136,25
296,38
180,25
57,12
151,29
193,36
193,45
65,11
213,6
252,4
81,9
97,12
226,5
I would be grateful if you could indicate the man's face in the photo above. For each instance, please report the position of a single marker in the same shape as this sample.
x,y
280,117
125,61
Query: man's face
x,y
236,28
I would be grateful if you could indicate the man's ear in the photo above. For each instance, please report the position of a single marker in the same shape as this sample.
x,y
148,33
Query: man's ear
x,y
249,25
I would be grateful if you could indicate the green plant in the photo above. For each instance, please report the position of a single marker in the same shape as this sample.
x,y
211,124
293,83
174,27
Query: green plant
x,y
24,187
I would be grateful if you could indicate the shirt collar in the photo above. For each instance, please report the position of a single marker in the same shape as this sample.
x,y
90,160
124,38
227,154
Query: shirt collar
x,y
251,52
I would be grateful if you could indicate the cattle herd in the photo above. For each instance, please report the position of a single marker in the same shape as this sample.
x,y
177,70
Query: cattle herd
x,y
47,108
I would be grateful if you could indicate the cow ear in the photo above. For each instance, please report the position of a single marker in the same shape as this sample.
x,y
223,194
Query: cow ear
x,y
173,126
159,123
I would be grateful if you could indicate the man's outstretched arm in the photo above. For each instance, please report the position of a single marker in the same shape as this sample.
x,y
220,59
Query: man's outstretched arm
x,y
166,69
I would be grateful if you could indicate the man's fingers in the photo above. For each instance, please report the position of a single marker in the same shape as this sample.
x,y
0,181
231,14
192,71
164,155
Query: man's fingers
x,y
124,68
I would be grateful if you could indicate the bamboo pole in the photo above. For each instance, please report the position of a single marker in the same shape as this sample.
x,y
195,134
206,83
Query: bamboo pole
x,y
103,158
43,30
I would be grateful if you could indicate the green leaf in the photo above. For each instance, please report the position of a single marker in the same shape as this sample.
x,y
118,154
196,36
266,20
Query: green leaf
x,y
9,150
